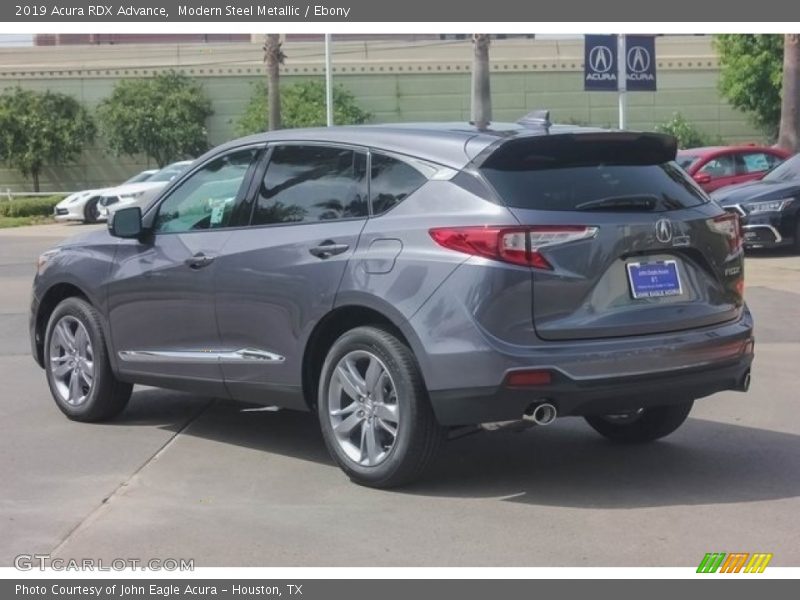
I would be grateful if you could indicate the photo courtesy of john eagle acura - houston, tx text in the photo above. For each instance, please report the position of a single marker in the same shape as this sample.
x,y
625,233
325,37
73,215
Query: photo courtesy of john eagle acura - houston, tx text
x,y
407,282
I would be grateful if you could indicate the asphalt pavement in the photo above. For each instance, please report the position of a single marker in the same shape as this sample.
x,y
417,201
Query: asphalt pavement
x,y
182,476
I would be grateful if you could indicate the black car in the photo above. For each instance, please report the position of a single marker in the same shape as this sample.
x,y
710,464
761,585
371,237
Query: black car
x,y
769,209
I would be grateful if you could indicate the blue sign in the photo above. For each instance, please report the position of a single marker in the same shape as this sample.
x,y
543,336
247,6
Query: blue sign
x,y
640,63
600,63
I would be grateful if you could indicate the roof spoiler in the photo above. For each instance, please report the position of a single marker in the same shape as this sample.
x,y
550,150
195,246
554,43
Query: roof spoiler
x,y
536,119
589,148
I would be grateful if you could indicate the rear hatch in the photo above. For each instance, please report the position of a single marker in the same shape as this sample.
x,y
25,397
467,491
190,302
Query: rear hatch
x,y
620,239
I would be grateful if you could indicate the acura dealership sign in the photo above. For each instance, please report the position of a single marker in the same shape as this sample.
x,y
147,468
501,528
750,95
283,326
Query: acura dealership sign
x,y
601,69
600,63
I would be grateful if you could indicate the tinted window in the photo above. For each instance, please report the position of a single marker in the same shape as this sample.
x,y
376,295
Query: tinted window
x,y
391,181
568,187
756,162
786,171
312,183
206,199
721,166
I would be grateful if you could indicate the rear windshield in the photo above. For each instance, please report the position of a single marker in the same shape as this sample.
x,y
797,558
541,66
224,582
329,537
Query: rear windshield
x,y
597,187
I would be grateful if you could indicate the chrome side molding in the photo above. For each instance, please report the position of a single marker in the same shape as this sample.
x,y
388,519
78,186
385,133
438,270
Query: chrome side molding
x,y
199,356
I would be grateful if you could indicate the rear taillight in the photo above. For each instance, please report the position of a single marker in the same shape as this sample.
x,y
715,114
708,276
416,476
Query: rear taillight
x,y
516,245
729,226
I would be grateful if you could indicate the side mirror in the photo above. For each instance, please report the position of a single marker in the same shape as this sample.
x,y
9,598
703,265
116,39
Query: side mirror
x,y
126,223
702,178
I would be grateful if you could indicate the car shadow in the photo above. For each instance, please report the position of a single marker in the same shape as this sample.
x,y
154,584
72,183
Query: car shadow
x,y
566,465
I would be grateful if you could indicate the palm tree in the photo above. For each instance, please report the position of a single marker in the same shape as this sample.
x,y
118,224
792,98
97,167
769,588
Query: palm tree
x,y
273,57
789,133
481,92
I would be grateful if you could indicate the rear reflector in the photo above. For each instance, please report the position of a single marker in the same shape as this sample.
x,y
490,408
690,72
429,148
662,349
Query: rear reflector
x,y
528,378
515,245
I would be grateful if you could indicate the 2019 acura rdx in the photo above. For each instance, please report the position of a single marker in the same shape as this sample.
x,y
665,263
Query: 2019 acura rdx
x,y
403,281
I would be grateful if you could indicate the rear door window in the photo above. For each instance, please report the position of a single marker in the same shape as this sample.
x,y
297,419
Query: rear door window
x,y
310,183
756,162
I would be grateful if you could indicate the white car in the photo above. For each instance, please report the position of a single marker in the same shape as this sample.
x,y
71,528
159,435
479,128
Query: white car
x,y
83,206
139,194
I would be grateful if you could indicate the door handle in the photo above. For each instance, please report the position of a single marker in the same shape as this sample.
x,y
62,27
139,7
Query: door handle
x,y
199,260
328,248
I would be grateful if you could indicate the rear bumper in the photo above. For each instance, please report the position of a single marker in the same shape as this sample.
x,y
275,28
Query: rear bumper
x,y
602,396
591,376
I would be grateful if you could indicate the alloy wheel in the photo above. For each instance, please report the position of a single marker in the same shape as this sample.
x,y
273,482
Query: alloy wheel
x,y
71,361
363,408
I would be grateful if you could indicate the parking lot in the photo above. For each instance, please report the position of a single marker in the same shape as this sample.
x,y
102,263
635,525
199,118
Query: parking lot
x,y
190,477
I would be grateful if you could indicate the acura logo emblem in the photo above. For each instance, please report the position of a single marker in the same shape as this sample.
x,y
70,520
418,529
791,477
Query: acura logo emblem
x,y
601,59
664,231
638,59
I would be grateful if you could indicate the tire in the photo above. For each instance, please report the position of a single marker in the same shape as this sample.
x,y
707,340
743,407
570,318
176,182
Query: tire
x,y
645,426
397,400
79,373
90,212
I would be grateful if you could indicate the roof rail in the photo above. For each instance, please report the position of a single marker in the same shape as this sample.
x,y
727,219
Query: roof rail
x,y
536,119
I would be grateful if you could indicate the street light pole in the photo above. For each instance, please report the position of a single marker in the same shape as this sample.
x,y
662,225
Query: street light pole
x,y
328,80
622,80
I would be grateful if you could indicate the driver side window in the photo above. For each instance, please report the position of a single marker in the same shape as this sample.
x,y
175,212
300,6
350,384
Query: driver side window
x,y
207,198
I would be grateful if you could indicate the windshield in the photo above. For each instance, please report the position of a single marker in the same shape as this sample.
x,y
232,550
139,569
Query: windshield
x,y
685,160
786,171
169,172
143,176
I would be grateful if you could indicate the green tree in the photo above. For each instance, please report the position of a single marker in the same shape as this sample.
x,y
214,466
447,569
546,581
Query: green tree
x,y
302,105
751,71
41,128
163,117
689,136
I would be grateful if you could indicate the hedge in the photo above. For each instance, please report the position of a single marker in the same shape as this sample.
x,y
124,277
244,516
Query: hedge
x,y
29,206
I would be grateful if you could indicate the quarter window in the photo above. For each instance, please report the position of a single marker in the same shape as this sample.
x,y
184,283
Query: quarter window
x,y
391,181
207,198
311,184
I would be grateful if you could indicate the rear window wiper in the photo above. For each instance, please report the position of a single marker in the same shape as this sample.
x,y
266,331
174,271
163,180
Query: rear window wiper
x,y
631,202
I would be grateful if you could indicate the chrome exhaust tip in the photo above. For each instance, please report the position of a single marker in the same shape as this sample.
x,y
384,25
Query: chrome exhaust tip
x,y
543,414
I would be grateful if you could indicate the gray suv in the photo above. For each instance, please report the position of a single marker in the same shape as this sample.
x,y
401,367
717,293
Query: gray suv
x,y
407,282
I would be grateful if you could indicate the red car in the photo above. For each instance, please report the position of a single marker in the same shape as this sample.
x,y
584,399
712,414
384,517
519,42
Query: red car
x,y
714,167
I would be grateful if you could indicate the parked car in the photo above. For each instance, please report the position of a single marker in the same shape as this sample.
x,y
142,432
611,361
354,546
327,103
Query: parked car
x,y
404,282
768,209
140,193
715,167
82,206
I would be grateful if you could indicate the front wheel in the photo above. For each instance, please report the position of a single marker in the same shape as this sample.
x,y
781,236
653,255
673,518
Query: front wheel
x,y
91,212
374,412
76,362
642,425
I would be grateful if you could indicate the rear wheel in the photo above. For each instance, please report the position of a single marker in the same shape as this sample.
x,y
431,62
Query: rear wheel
x,y
91,213
76,362
642,425
374,411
